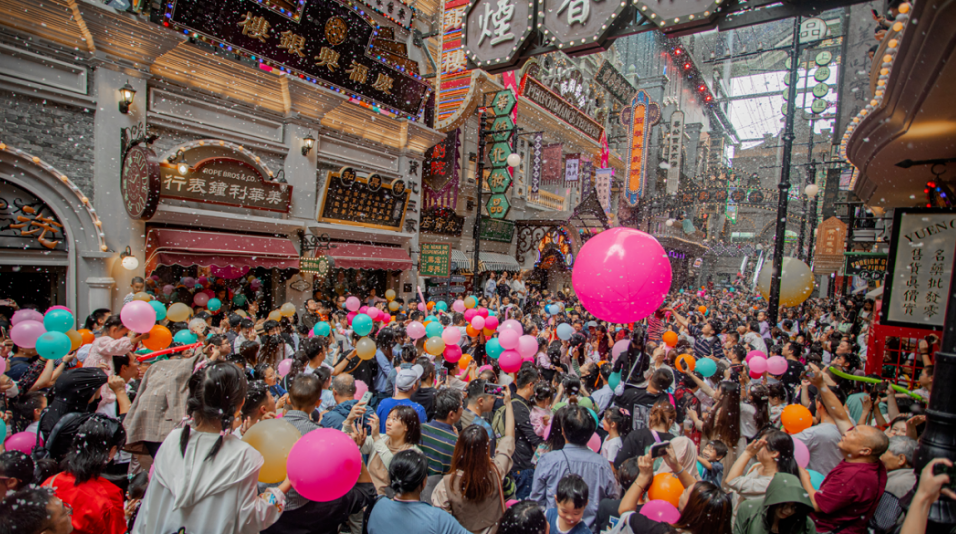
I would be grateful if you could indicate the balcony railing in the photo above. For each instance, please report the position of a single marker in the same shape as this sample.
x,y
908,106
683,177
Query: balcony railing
x,y
547,200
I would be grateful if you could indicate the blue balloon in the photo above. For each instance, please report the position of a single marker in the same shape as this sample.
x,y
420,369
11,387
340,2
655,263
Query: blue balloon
x,y
706,367
816,479
321,329
214,304
565,331
441,305
434,329
58,321
185,337
53,345
160,309
493,348
362,324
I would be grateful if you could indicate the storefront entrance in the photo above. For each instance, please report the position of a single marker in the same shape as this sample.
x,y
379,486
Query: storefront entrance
x,y
33,286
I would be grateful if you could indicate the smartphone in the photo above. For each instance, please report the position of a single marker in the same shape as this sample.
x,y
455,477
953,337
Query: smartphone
x,y
494,389
658,450
940,469
442,375
365,400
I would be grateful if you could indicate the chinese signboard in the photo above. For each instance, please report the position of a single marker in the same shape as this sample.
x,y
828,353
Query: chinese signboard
x,y
324,42
571,169
673,147
373,201
499,180
870,266
536,157
639,117
536,92
921,260
28,223
496,230
225,181
454,97
579,25
495,32
681,15
615,83
319,266
443,221
434,260
602,179
440,172
139,182
831,243
394,10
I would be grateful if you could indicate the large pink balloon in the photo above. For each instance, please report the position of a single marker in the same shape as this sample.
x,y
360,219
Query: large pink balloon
x,y
752,354
415,330
26,315
511,324
491,323
451,335
621,275
776,365
595,443
508,339
452,353
758,365
527,346
360,389
458,306
373,313
801,453
661,511
478,322
509,361
331,478
352,303
26,333
22,441
140,317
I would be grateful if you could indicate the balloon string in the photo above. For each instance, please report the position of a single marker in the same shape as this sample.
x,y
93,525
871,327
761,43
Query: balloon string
x,y
869,380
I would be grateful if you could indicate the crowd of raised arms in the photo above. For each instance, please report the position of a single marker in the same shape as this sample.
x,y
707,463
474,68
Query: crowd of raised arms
x,y
704,418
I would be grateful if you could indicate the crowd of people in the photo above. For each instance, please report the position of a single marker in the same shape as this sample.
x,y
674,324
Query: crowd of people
x,y
605,429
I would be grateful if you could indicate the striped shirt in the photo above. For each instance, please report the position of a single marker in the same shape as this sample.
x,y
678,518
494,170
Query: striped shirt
x,y
702,345
438,444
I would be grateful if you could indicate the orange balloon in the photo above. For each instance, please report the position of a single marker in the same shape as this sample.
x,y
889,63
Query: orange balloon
x,y
87,336
702,309
489,332
464,361
670,338
666,487
470,330
76,340
688,362
159,338
796,418
430,305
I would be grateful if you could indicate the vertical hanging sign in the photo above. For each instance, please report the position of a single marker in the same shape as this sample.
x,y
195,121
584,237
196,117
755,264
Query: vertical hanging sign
x,y
501,129
536,140
639,117
571,169
674,147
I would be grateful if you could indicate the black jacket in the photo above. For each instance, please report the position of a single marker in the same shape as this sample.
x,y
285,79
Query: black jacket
x,y
526,441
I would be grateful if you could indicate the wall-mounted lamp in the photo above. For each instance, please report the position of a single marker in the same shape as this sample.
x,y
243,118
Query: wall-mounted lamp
x,y
183,168
811,190
126,97
130,263
514,159
307,144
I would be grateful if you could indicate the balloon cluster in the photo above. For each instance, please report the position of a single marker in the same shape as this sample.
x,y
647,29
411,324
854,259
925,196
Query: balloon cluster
x,y
52,334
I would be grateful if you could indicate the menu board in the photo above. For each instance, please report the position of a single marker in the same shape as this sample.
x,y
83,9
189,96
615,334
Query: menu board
x,y
373,201
434,260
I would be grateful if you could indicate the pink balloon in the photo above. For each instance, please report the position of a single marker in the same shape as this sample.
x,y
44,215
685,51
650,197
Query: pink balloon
x,y
661,511
458,306
363,309
422,307
483,312
199,299
168,289
451,335
202,279
139,316
527,346
513,325
758,365
452,353
620,347
351,315
327,480
470,314
360,389
752,354
352,304
51,308
508,339
511,502
26,315
26,333
755,376
491,322
527,359
3,365
415,330
284,367
478,322
595,443
189,281
22,441
509,361
621,275
801,453
372,312
777,365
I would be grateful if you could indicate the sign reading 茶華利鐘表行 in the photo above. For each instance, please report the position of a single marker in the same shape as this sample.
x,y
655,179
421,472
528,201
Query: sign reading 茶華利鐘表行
x,y
434,260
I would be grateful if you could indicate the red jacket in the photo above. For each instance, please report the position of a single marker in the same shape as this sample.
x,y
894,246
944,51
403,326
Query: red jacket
x,y
97,504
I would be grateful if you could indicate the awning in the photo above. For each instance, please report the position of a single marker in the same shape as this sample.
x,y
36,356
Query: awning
x,y
353,256
460,260
491,261
190,247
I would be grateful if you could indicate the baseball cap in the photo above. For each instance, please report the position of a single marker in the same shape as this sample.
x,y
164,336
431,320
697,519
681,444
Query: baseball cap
x,y
592,324
406,378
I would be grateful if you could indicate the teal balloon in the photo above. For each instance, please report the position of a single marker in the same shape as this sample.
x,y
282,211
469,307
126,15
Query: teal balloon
x,y
441,306
492,313
214,304
431,318
706,367
362,324
614,380
493,348
816,479
185,337
700,469
3,431
434,329
160,309
58,321
323,328
239,300
53,345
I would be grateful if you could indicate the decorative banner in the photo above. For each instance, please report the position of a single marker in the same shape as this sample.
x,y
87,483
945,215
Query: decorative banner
x,y
27,222
584,173
434,260
496,230
571,168
455,99
922,251
536,157
615,83
870,266
639,117
551,163
602,178
442,221
538,93
224,181
326,43
372,202
831,243
495,32
318,266
440,172
673,147
140,182
396,11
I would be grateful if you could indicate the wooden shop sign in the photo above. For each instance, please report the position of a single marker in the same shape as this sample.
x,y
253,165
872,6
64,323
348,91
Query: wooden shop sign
x,y
373,201
224,181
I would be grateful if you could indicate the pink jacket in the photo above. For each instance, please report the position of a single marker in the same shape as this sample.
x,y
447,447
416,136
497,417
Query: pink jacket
x,y
102,351
541,427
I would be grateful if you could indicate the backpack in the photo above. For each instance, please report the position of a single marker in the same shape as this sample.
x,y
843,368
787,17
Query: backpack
x,y
887,514
498,422
43,450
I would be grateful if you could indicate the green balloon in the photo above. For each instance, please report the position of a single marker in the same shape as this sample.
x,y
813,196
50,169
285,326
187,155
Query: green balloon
x,y
362,324
442,306
493,348
321,329
160,309
239,300
185,337
434,329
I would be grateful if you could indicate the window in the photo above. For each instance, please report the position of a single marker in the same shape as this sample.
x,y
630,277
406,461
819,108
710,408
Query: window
x,y
738,237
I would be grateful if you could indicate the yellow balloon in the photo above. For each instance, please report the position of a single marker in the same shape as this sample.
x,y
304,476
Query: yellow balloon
x,y
470,302
390,295
178,312
76,340
394,306
365,348
275,315
143,296
273,438
287,309
435,345
241,313
796,282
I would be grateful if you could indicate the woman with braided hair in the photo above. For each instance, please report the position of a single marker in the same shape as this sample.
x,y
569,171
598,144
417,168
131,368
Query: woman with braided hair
x,y
205,477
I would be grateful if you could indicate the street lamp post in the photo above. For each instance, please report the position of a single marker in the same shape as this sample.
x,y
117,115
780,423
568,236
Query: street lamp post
x,y
479,184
